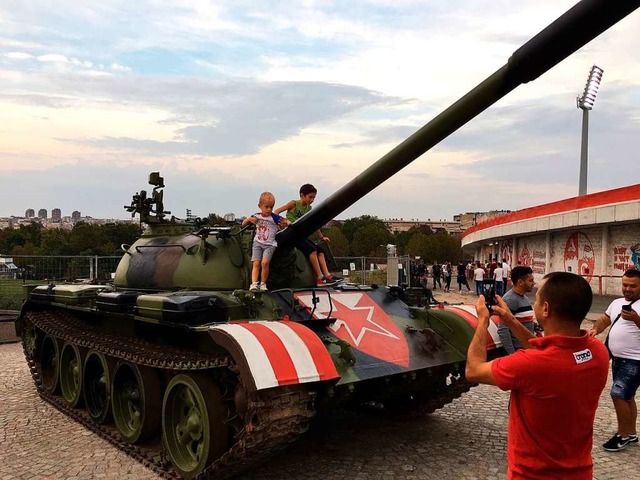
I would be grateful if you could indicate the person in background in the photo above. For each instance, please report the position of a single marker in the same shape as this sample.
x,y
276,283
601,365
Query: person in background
x,y
497,279
470,266
555,382
478,275
624,345
506,273
492,266
264,242
519,306
436,271
462,277
446,273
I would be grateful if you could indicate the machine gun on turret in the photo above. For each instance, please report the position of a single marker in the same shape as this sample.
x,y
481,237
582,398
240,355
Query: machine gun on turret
x,y
143,205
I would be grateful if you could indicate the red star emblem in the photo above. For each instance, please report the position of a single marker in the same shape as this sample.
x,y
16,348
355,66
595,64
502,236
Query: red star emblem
x,y
362,323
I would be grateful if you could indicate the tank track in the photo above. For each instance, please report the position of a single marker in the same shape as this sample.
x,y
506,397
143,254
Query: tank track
x,y
450,393
281,415
423,404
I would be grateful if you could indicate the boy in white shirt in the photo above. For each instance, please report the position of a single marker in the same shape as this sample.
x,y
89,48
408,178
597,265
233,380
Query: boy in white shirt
x,y
264,243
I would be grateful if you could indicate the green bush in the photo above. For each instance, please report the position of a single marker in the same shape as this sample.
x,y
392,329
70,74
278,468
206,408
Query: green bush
x,y
378,277
12,294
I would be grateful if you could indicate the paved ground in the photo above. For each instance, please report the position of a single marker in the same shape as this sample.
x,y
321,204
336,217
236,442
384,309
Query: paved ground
x,y
465,440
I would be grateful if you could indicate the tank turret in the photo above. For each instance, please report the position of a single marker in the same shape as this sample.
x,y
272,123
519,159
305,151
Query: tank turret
x,y
178,361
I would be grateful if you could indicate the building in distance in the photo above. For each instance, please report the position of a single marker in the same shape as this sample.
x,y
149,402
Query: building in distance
x,y
403,225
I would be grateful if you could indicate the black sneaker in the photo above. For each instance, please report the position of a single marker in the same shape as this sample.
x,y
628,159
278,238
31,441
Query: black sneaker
x,y
633,439
616,443
334,278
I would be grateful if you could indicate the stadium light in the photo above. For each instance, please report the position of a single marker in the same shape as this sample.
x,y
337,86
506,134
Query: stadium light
x,y
585,103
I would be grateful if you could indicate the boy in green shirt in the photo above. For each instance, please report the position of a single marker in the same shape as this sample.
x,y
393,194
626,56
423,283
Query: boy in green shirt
x,y
296,209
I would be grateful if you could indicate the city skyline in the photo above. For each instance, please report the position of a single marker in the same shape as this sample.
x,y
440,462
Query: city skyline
x,y
232,99
35,214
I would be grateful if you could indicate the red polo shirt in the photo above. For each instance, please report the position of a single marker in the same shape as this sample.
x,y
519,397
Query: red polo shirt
x,y
555,389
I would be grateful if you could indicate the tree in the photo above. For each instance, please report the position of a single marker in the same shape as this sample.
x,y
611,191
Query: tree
x,y
55,242
214,219
85,239
368,239
352,225
25,235
425,229
339,244
115,234
4,244
401,238
26,249
439,247
418,245
442,247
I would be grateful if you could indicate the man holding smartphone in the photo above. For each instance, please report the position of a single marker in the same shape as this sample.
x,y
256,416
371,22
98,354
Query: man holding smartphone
x,y
555,381
624,346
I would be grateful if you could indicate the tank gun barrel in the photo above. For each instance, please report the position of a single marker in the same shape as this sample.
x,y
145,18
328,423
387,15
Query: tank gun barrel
x,y
575,28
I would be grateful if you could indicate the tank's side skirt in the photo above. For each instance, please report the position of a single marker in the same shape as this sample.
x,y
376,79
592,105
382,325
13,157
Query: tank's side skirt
x,y
274,418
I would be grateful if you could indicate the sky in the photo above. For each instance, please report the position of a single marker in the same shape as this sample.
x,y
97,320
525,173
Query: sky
x,y
227,99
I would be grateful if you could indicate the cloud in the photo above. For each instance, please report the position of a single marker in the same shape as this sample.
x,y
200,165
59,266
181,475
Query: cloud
x,y
245,95
18,55
236,118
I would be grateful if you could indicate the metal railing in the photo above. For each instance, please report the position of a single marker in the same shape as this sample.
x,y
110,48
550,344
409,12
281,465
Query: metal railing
x,y
19,270
372,270
601,290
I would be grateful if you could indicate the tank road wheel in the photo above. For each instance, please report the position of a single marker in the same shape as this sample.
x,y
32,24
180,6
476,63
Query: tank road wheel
x,y
96,386
193,423
47,364
29,336
71,374
135,402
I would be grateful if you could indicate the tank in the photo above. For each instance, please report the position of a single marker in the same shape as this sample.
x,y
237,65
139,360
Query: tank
x,y
185,369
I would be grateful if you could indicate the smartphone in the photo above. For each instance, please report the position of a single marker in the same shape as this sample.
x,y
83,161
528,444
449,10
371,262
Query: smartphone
x,y
626,308
489,292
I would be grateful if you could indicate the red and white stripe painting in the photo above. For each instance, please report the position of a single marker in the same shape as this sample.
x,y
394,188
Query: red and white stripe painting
x,y
468,312
280,352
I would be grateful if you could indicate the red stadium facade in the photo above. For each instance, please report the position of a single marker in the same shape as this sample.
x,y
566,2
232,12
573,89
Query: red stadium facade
x,y
596,236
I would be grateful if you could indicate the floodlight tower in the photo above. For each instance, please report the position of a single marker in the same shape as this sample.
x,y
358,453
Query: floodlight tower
x,y
585,103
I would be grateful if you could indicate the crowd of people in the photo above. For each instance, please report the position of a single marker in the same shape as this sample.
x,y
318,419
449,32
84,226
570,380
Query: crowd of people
x,y
493,272
555,370
556,379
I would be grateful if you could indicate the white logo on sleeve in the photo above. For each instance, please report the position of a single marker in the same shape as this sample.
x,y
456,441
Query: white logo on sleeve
x,y
583,356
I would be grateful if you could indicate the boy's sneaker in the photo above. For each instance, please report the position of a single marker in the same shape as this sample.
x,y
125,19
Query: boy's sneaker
x,y
325,282
255,286
633,439
616,443
263,287
334,278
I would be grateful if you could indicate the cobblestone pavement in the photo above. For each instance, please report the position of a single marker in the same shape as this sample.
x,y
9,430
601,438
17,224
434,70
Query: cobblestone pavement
x,y
464,440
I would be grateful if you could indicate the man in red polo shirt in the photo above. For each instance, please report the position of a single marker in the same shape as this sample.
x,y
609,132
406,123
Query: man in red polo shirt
x,y
555,381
